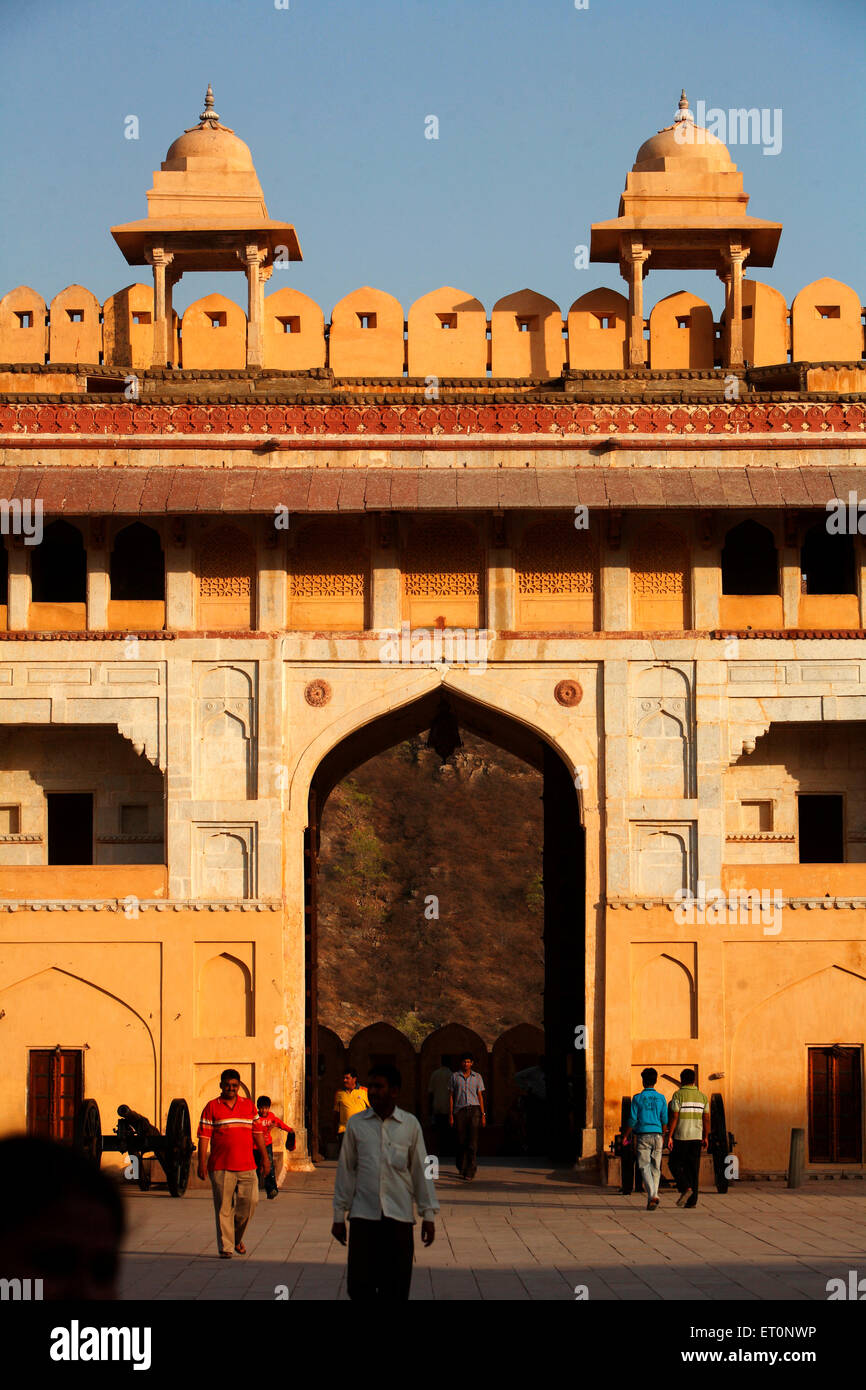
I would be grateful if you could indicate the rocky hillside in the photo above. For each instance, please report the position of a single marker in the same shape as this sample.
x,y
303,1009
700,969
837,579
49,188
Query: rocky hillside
x,y
405,838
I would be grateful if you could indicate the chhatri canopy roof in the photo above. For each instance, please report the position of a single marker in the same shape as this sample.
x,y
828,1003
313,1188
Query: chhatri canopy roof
x,y
206,198
684,199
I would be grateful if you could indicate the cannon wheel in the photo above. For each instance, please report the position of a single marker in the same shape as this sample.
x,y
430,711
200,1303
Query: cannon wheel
x,y
629,1176
719,1140
178,1147
624,1114
88,1131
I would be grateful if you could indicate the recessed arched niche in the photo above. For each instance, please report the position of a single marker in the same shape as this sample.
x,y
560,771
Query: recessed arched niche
x,y
663,993
661,723
226,745
225,997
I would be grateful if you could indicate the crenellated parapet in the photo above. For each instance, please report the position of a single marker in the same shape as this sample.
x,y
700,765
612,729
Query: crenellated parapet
x,y
447,333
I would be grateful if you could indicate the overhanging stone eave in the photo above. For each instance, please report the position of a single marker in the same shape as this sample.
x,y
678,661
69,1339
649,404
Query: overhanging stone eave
x,y
134,239
662,236
597,484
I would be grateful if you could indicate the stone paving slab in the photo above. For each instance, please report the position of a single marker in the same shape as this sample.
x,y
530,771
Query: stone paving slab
x,y
519,1232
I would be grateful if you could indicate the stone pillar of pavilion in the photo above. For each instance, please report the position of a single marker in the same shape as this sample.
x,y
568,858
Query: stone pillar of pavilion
x,y
633,268
731,276
206,211
684,208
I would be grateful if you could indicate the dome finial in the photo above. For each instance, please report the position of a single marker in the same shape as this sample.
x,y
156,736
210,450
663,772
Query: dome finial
x,y
683,112
208,115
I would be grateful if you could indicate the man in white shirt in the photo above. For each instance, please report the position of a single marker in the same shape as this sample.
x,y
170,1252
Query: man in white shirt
x,y
382,1175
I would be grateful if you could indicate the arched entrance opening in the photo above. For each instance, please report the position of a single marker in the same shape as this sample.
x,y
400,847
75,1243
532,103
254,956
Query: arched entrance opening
x,y
562,862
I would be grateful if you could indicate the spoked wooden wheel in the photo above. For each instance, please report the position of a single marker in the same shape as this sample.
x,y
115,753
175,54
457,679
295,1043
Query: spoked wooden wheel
x,y
88,1131
719,1141
178,1147
629,1176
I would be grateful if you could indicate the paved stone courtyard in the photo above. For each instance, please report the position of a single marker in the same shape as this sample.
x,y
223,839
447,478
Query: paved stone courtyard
x,y
519,1231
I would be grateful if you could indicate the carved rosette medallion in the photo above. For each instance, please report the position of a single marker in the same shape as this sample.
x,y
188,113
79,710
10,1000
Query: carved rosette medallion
x,y
317,693
568,693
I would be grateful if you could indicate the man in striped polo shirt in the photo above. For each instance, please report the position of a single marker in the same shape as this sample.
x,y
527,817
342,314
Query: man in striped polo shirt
x,y
690,1124
227,1125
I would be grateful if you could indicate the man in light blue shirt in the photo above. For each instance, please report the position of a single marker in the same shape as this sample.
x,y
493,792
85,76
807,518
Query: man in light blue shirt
x,y
467,1115
648,1123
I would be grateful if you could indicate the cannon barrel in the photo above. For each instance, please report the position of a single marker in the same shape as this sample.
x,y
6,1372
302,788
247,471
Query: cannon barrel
x,y
139,1124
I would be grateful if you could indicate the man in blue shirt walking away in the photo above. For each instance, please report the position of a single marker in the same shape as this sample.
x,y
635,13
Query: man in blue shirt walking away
x,y
648,1123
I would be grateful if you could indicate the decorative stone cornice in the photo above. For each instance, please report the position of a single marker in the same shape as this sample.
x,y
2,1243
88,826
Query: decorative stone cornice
x,y
87,636
132,905
761,836
130,839
735,902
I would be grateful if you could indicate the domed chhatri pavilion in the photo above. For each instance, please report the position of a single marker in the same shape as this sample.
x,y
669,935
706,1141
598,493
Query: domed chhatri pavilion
x,y
206,211
684,209
627,549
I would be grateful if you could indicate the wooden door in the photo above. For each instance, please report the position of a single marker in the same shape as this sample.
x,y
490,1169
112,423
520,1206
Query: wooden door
x,y
835,1105
55,1092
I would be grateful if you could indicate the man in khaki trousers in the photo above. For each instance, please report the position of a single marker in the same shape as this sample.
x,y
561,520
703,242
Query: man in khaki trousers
x,y
229,1126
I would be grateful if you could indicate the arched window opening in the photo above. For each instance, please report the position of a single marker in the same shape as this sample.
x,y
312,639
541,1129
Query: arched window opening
x,y
59,565
827,562
137,566
750,561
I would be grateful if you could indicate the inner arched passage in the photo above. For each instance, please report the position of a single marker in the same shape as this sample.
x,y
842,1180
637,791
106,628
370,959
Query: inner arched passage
x,y
562,860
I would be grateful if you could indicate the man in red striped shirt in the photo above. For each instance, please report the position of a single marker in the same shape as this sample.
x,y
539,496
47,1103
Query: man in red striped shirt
x,y
227,1125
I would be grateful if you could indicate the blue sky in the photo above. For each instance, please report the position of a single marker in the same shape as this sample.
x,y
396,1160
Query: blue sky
x,y
541,109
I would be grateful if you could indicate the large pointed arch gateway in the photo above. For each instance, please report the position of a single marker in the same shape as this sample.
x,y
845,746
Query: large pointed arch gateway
x,y
445,712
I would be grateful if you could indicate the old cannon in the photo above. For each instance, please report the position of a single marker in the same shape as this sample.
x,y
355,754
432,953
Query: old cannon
x,y
720,1143
136,1136
720,1147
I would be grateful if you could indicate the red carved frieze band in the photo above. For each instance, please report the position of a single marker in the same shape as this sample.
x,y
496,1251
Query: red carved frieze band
x,y
434,419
